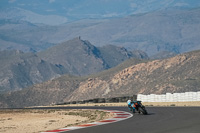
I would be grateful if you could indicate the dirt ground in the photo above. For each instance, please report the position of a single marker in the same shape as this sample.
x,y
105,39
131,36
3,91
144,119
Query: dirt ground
x,y
34,121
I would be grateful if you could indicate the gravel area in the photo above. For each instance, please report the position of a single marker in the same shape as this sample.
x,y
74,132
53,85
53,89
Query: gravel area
x,y
34,121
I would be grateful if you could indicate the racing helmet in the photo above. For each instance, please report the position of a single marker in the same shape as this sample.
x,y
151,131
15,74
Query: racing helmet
x,y
129,101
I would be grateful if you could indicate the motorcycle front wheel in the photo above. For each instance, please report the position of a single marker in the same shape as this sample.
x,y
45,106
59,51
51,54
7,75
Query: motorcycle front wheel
x,y
143,111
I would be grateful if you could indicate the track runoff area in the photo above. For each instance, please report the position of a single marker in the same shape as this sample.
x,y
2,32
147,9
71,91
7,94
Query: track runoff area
x,y
158,120
118,116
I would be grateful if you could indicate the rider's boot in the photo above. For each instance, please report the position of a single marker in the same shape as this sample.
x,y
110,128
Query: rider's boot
x,y
133,111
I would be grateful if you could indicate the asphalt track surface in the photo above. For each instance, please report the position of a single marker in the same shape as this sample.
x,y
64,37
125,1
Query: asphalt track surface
x,y
159,120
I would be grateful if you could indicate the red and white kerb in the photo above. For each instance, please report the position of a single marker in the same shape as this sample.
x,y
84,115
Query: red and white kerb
x,y
118,116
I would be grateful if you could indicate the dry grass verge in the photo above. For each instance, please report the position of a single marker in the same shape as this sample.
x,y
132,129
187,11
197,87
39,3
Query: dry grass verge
x,y
34,121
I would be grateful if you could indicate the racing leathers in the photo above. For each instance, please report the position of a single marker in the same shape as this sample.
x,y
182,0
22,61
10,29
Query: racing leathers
x,y
131,105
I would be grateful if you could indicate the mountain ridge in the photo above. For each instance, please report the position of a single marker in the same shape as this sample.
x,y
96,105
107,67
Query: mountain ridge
x,y
169,30
19,70
82,9
80,57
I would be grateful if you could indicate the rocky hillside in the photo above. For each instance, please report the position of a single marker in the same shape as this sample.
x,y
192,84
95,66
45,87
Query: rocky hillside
x,y
80,57
113,55
177,74
77,56
46,93
54,91
19,70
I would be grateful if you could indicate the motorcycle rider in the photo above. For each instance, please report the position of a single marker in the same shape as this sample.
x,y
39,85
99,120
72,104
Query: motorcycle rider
x,y
131,105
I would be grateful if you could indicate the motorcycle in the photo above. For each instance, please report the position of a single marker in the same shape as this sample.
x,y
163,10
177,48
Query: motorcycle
x,y
139,107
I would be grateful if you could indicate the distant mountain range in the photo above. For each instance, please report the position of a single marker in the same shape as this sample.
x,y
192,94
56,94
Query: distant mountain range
x,y
20,14
72,10
172,30
19,70
177,74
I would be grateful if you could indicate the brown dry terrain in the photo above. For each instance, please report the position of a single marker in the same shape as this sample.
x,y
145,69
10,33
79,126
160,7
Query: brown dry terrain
x,y
34,121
